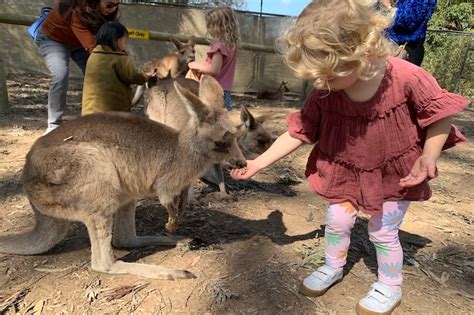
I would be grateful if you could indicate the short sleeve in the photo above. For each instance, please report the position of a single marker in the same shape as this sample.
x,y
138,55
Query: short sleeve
x,y
304,124
430,102
218,47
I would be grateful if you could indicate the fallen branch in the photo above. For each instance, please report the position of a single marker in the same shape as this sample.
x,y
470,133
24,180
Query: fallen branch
x,y
14,300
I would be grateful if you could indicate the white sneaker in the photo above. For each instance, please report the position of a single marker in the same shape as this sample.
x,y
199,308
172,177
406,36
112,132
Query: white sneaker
x,y
381,300
320,281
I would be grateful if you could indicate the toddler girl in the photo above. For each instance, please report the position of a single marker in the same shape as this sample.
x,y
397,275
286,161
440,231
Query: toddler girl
x,y
379,123
110,72
221,59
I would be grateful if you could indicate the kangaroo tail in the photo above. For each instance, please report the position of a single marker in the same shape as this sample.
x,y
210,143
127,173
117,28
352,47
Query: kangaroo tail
x,y
47,232
138,94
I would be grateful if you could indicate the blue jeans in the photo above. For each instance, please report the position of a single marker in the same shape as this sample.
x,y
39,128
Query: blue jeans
x,y
228,101
57,56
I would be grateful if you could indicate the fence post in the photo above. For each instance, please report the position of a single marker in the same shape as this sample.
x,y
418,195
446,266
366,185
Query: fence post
x,y
4,104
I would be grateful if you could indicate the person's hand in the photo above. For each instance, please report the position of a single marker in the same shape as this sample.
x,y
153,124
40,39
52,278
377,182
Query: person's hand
x,y
152,73
245,173
425,166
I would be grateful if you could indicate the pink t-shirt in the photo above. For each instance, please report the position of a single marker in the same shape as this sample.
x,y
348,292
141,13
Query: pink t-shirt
x,y
363,149
229,61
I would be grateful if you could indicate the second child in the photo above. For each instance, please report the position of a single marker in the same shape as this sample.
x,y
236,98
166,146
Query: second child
x,y
110,72
221,59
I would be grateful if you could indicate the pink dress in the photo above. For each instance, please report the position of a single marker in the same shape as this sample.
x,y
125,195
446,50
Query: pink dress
x,y
229,62
363,149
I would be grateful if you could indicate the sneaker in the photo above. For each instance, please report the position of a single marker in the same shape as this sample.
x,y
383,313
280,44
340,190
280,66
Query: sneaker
x,y
320,281
381,300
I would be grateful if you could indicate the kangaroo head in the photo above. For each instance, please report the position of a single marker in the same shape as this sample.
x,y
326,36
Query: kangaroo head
x,y
211,131
285,88
186,52
253,137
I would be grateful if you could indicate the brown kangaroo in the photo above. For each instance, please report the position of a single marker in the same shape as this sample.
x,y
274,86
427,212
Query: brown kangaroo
x,y
94,169
162,105
274,95
174,64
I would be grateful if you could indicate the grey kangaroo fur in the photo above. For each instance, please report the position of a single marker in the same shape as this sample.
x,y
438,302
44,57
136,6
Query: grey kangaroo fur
x,y
174,64
162,105
93,170
274,95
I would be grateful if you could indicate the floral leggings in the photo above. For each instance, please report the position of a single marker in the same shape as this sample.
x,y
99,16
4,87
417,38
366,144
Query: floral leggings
x,y
383,233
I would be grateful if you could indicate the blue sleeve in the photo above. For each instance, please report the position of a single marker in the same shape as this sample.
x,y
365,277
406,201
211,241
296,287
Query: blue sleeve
x,y
411,14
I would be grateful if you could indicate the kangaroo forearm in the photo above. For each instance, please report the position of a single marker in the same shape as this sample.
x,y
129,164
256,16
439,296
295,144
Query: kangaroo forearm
x,y
284,145
436,137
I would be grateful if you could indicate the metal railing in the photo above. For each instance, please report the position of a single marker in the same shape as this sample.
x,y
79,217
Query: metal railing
x,y
27,20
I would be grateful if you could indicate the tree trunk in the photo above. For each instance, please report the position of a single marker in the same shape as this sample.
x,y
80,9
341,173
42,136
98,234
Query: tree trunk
x,y
4,104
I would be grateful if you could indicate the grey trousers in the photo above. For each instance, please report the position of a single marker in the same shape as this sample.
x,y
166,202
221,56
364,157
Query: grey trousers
x,y
57,56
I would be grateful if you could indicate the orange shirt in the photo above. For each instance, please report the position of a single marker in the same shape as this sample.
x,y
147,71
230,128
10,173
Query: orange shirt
x,y
72,33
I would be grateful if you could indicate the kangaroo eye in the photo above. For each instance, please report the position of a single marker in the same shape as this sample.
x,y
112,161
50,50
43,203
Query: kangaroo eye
x,y
221,146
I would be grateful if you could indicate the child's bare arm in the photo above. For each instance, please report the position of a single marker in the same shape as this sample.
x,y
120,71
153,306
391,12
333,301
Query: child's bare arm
x,y
284,145
213,68
425,165
436,137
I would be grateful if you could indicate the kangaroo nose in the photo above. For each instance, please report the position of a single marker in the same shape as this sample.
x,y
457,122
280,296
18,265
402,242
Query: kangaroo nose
x,y
238,163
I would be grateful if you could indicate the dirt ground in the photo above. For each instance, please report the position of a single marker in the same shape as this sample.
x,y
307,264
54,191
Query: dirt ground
x,y
251,253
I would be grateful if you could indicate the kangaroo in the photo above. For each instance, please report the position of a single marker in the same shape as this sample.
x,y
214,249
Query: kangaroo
x,y
275,95
93,169
162,105
174,64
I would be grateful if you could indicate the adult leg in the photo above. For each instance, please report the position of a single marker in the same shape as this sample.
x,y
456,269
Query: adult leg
x,y
416,52
56,57
80,57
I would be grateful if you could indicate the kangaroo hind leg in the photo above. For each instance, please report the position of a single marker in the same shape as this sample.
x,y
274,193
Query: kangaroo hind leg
x,y
125,235
103,260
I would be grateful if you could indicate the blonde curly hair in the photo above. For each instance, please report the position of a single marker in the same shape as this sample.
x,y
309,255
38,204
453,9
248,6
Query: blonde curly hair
x,y
222,25
332,38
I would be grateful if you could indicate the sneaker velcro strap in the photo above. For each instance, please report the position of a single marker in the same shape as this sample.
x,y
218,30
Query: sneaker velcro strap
x,y
376,295
327,270
383,289
320,276
324,273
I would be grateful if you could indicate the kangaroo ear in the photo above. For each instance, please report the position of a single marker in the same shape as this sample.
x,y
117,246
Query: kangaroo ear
x,y
196,109
192,41
247,118
176,42
210,92
261,119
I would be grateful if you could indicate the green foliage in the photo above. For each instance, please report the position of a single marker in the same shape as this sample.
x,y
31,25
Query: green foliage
x,y
450,57
313,255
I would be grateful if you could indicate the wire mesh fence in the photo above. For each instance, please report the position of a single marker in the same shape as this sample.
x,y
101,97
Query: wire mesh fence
x,y
450,58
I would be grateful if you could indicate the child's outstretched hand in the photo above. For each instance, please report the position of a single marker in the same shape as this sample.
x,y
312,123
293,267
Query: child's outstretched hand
x,y
425,166
245,173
